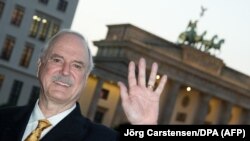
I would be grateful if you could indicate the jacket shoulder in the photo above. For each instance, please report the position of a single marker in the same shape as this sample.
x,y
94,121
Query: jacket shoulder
x,y
99,131
13,113
11,110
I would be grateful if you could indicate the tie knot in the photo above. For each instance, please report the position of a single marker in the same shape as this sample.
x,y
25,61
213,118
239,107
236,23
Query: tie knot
x,y
43,123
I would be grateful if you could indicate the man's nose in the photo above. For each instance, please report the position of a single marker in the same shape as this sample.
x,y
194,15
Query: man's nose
x,y
66,69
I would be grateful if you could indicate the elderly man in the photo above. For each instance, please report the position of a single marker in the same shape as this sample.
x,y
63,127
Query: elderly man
x,y
63,69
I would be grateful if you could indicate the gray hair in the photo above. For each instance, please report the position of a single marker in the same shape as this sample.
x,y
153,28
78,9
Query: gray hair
x,y
53,39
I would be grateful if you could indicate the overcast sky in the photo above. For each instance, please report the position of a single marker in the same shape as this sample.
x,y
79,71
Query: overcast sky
x,y
229,19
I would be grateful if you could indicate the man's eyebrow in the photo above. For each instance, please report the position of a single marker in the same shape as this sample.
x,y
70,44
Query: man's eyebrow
x,y
80,62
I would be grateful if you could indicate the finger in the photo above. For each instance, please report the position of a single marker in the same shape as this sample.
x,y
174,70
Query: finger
x,y
131,75
152,77
142,72
161,85
123,91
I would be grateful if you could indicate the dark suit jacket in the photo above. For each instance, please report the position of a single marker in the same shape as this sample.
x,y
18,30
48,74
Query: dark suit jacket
x,y
74,127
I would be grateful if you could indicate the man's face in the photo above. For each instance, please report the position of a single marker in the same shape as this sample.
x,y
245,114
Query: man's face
x,y
62,73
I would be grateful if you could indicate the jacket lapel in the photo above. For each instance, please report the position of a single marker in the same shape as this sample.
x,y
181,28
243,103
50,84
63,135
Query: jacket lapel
x,y
71,128
17,124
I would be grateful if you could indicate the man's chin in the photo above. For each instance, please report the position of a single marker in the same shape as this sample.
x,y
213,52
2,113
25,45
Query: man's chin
x,y
59,94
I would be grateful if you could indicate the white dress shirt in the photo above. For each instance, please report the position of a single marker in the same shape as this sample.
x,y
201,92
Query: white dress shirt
x,y
37,115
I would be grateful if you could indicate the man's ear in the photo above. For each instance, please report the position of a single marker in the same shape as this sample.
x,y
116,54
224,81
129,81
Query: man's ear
x,y
38,66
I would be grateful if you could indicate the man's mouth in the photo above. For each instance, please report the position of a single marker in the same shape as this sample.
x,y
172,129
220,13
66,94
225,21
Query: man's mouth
x,y
62,84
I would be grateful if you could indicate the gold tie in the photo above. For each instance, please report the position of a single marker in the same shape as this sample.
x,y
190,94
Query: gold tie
x,y
35,135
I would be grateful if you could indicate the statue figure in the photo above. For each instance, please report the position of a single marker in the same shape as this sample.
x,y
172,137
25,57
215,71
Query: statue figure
x,y
203,10
199,38
187,37
218,45
208,44
191,38
192,25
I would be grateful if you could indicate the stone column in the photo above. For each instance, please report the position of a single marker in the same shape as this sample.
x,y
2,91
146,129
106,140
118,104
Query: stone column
x,y
94,100
202,109
170,102
225,112
245,117
117,115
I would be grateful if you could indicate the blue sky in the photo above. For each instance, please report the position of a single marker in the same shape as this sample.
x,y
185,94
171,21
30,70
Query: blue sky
x,y
229,19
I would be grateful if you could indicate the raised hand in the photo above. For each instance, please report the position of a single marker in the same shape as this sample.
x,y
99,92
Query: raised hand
x,y
140,100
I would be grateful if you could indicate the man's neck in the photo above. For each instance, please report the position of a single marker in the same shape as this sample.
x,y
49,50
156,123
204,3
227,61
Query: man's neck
x,y
50,109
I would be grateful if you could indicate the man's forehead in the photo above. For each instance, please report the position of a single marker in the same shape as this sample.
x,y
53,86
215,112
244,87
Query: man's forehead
x,y
69,42
68,39
76,53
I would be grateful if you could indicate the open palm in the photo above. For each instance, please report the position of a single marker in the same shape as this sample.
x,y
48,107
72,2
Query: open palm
x,y
140,101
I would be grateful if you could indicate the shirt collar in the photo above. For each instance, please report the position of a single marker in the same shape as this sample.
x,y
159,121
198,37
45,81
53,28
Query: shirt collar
x,y
37,115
